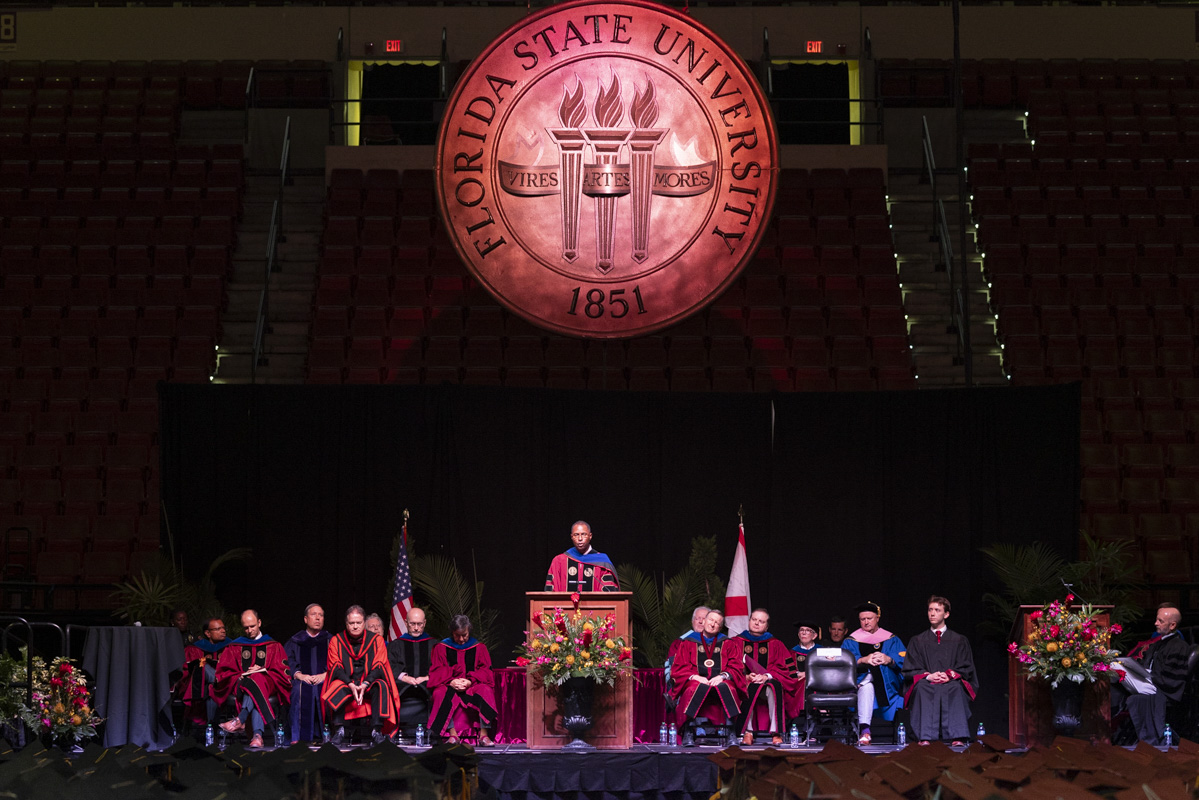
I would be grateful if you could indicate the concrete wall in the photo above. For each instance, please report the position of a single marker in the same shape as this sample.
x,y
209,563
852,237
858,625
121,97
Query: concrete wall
x,y
310,32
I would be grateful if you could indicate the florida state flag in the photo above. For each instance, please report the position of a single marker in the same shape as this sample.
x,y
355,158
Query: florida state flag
x,y
736,599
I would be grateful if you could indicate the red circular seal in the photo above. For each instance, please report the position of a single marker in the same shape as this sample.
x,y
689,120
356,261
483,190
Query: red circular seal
x,y
606,169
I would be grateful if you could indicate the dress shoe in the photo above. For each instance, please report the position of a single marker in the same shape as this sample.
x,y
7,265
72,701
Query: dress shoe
x,y
776,740
339,738
864,739
747,738
256,741
377,737
233,726
486,741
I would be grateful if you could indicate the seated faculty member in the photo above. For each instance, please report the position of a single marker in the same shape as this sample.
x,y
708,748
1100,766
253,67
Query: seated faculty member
x,y
252,671
771,684
697,626
358,684
879,654
940,665
463,686
837,630
307,653
1165,659
199,671
410,656
581,568
708,675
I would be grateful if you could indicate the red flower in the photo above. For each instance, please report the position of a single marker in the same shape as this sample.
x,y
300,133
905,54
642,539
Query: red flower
x,y
1054,631
1013,648
626,653
586,640
537,621
522,662
1069,597
55,682
1036,614
1117,628
64,668
574,598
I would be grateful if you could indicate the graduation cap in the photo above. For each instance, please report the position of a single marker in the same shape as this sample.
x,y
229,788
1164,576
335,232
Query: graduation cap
x,y
807,623
870,606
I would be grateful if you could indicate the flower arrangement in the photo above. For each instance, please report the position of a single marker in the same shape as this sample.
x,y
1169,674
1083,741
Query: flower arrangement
x,y
60,705
568,644
1067,644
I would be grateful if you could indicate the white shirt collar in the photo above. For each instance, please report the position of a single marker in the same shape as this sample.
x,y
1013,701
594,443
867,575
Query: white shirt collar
x,y
941,629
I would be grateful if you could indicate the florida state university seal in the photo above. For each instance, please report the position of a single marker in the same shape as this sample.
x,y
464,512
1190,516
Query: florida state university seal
x,y
606,169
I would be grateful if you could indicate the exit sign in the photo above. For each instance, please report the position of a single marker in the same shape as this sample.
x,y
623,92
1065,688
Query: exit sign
x,y
815,47
395,45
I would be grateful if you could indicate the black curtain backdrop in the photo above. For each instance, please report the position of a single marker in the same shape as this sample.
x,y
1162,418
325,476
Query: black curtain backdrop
x,y
883,496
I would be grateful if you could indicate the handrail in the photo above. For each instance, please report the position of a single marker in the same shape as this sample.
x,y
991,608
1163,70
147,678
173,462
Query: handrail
x,y
27,685
941,233
249,94
274,236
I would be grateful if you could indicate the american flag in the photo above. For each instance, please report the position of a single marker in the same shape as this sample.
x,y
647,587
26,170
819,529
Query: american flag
x,y
401,598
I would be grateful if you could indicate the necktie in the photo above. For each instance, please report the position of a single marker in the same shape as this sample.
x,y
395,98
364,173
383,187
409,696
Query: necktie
x,y
938,636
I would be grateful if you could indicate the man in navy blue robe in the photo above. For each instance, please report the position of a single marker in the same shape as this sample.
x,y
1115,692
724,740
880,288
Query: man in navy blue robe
x,y
307,655
410,657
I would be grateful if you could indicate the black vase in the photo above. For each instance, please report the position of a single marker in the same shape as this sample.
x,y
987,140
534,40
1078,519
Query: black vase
x,y
1067,707
577,695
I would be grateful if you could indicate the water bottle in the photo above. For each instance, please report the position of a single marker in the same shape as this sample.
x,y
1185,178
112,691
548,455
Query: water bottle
x,y
662,733
901,735
793,738
280,735
420,735
209,735
326,734
224,739
981,731
672,737
1168,735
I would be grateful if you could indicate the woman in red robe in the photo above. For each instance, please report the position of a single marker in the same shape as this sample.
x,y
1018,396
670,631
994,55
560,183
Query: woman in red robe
x,y
463,686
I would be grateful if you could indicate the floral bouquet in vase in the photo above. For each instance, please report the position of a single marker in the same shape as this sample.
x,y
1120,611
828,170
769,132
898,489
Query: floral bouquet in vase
x,y
60,707
565,644
1067,644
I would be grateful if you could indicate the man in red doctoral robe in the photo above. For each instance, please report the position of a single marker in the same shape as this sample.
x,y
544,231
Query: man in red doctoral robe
x,y
771,684
708,676
253,671
199,670
358,680
581,568
463,686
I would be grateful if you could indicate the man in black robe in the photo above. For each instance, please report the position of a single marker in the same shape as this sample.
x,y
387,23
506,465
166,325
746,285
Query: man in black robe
x,y
1165,661
307,655
940,667
837,630
410,656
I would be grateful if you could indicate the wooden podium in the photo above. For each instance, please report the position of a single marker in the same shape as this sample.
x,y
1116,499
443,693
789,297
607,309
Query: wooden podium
x,y
613,705
1030,707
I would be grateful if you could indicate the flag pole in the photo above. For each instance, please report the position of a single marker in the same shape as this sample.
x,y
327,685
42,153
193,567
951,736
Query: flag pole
x,y
404,529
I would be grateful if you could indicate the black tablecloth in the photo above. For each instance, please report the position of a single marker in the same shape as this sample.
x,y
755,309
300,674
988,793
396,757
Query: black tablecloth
x,y
606,775
131,666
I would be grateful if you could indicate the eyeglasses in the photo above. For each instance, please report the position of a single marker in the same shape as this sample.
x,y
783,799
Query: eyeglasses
x,y
214,630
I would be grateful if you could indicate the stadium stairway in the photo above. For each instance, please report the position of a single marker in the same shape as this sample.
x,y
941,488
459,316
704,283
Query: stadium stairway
x,y
292,283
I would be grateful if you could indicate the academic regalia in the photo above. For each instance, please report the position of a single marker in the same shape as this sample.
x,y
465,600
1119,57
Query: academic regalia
x,y
364,661
239,656
940,710
411,655
452,709
708,658
307,654
765,653
573,571
1166,661
800,656
199,670
887,679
